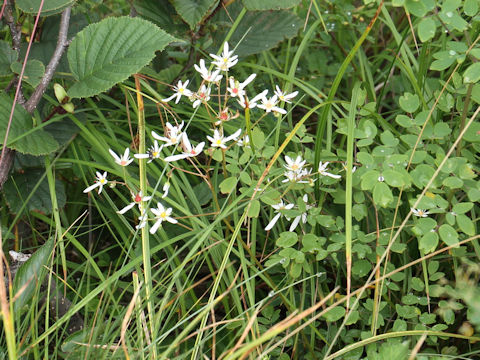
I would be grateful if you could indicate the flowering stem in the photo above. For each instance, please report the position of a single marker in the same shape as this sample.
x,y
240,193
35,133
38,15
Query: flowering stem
x,y
349,186
144,231
249,130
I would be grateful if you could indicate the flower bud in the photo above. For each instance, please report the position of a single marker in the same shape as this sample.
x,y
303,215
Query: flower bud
x,y
68,107
60,93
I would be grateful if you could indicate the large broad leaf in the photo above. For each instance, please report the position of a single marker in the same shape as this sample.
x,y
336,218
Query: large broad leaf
x,y
23,137
258,31
270,4
33,73
30,275
21,185
49,7
193,11
160,13
108,52
7,57
43,50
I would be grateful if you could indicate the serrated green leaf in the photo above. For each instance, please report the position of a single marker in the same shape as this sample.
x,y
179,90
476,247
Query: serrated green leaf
x,y
426,29
472,74
260,31
448,234
30,275
108,52
193,11
23,137
227,185
20,186
33,73
270,4
382,195
49,7
7,57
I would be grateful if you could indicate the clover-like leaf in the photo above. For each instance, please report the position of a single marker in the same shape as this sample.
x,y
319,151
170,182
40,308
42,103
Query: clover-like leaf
x,y
108,52
472,74
426,29
409,102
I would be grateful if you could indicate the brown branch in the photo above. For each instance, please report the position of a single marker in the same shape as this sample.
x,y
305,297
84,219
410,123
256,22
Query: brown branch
x,y
62,44
6,159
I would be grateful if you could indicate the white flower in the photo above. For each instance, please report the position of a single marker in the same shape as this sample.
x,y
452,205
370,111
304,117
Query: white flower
x,y
381,178
174,134
101,180
208,75
250,104
226,60
244,142
152,153
295,176
237,88
138,199
201,96
123,160
278,207
296,165
188,151
180,89
161,214
322,169
142,221
219,140
420,213
270,105
165,189
284,97
302,217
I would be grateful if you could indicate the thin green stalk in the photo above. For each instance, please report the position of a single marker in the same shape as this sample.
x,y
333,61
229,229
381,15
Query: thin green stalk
x,y
213,292
147,267
249,128
56,214
349,186
333,91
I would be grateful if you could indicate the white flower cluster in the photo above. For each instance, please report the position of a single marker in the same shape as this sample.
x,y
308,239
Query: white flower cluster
x,y
234,88
297,173
175,135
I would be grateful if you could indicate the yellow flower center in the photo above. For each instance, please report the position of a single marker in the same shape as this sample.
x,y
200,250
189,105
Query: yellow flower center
x,y
219,142
294,167
181,90
102,181
154,154
163,215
